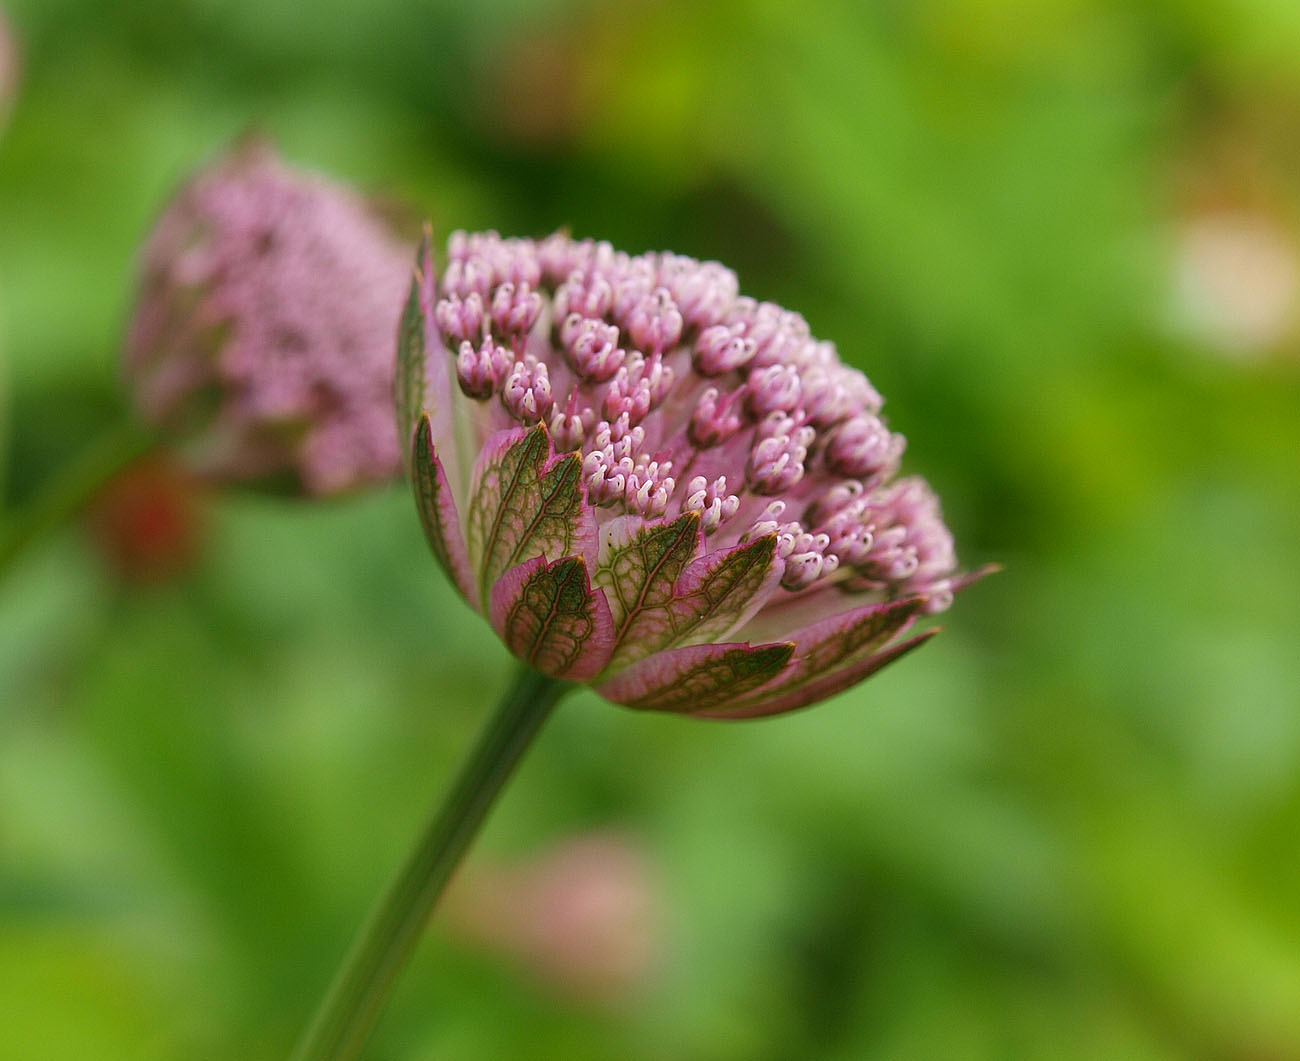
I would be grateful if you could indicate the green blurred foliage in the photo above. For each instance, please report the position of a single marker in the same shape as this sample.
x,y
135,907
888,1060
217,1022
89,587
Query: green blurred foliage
x,y
1068,828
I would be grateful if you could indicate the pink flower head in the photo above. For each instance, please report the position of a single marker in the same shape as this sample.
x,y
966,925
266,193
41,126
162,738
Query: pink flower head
x,y
263,333
652,484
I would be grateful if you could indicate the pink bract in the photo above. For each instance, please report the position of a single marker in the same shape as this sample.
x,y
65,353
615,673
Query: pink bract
x,y
262,339
652,484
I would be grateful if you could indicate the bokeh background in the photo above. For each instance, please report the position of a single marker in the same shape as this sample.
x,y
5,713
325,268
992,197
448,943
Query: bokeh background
x,y
1061,236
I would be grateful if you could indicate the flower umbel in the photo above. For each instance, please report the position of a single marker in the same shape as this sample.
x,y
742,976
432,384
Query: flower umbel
x,y
655,485
262,337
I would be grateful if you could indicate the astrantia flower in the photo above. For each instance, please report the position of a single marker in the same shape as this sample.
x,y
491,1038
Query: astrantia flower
x,y
264,328
652,484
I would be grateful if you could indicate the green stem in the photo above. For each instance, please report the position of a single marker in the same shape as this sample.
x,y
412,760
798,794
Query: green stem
x,y
357,994
71,488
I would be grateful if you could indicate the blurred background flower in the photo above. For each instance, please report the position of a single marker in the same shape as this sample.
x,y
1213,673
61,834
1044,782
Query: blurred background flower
x,y
1237,283
581,917
263,333
9,69
147,520
1065,830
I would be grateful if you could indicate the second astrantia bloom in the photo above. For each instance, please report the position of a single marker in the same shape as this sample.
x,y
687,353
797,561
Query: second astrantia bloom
x,y
262,338
654,485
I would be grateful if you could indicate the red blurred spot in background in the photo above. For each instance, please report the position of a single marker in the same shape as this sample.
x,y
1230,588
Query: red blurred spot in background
x,y
147,521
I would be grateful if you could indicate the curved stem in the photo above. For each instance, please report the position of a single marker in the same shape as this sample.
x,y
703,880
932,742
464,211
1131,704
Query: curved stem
x,y
357,994
71,488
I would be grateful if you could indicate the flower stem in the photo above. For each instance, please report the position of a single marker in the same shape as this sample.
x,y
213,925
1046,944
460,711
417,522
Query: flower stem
x,y
384,944
71,488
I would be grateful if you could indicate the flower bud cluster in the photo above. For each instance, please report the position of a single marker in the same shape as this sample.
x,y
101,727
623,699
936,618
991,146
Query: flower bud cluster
x,y
680,395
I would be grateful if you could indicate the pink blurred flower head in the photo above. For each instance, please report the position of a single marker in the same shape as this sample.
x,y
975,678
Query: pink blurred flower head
x,y
10,69
262,338
652,484
583,917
